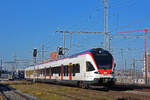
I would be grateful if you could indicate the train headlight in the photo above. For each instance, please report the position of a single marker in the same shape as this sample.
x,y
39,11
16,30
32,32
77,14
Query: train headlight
x,y
99,51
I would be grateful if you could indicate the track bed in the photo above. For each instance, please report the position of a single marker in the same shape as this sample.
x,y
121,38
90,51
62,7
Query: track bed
x,y
46,91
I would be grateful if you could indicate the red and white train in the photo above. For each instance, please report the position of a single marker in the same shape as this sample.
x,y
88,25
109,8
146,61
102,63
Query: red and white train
x,y
93,67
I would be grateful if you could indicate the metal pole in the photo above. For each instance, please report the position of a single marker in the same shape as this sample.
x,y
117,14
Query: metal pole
x,y
125,78
106,23
109,42
34,58
123,64
15,60
1,65
34,61
64,43
43,53
134,69
70,41
145,54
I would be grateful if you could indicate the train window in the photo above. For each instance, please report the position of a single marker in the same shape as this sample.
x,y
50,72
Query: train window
x,y
73,69
52,71
103,60
42,72
67,70
38,71
47,71
77,68
55,70
59,70
89,66
64,70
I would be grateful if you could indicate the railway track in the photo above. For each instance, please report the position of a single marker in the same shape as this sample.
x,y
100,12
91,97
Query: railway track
x,y
118,92
8,93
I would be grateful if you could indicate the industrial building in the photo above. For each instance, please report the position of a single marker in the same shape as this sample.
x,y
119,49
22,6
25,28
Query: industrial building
x,y
146,65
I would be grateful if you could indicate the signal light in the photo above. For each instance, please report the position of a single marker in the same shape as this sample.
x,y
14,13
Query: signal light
x,y
34,52
60,51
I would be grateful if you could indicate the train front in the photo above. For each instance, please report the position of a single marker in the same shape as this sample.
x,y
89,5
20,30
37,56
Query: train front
x,y
105,66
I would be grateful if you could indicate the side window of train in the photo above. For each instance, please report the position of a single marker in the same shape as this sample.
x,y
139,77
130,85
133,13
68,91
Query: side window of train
x,y
66,70
77,68
59,70
42,72
73,69
52,71
47,71
89,66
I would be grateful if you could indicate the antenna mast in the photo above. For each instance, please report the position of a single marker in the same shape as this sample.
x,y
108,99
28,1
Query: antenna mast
x,y
106,22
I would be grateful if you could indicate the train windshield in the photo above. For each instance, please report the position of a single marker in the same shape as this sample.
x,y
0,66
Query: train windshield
x,y
103,59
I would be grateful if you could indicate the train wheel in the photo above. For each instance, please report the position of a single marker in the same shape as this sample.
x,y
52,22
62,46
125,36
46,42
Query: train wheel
x,y
84,85
110,84
78,84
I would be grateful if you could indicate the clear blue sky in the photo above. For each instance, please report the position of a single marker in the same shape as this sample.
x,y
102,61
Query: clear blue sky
x,y
27,24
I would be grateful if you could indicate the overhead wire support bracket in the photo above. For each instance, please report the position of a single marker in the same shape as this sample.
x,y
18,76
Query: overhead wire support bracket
x,y
80,32
74,32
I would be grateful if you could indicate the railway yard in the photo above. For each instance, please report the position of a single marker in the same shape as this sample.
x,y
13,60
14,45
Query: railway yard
x,y
25,90
9,93
75,50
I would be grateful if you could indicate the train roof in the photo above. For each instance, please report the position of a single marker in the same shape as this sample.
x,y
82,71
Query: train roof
x,y
90,50
77,54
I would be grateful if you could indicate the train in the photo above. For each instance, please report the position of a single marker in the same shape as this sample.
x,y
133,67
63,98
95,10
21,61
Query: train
x,y
18,74
92,67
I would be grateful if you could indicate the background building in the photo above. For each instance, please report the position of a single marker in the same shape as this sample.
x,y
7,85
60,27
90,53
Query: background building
x,y
147,63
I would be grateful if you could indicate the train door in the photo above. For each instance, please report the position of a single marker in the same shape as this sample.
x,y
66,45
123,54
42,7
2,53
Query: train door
x,y
50,72
70,71
45,73
62,72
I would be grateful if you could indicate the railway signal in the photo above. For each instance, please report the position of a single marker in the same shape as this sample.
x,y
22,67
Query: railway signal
x,y
60,51
34,54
